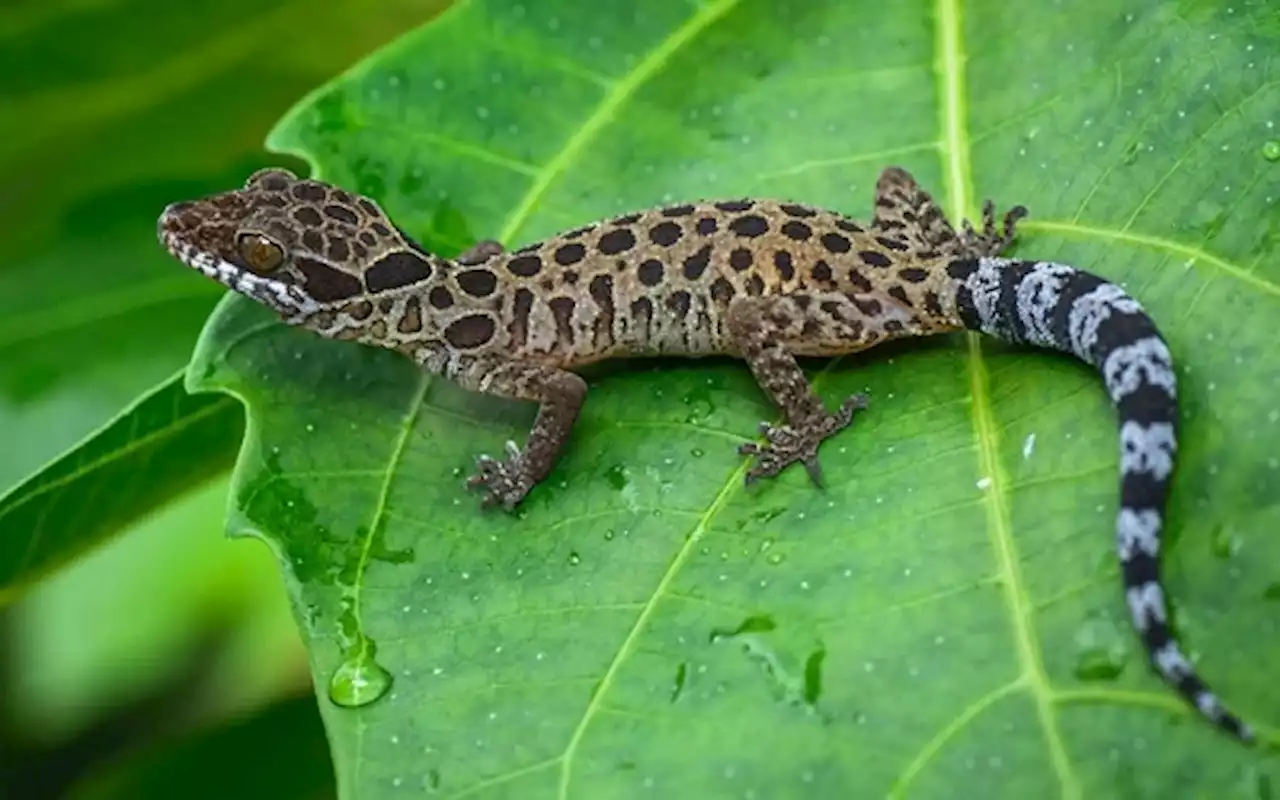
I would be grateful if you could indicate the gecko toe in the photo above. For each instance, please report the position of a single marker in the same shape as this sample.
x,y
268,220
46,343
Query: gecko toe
x,y
790,444
503,480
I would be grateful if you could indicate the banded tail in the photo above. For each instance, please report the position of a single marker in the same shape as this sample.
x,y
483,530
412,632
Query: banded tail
x,y
1059,307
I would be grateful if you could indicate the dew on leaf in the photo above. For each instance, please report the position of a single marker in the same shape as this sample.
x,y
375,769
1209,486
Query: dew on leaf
x,y
431,781
677,686
1223,542
1102,651
813,675
775,558
574,558
358,681
617,477
1271,150
756,623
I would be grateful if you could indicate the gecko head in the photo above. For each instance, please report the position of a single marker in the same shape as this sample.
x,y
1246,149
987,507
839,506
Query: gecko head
x,y
298,246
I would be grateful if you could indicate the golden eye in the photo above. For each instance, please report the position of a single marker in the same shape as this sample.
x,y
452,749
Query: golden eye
x,y
260,254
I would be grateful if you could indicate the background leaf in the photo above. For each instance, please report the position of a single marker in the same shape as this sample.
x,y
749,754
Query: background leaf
x,y
945,616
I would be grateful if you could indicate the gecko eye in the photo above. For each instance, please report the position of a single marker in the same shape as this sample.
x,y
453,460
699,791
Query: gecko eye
x,y
260,254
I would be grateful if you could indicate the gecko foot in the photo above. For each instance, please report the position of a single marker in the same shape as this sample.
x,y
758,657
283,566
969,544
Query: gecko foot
x,y
788,444
991,242
505,479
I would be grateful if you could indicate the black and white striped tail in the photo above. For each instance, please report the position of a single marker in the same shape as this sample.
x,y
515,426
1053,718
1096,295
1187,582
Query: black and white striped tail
x,y
1062,308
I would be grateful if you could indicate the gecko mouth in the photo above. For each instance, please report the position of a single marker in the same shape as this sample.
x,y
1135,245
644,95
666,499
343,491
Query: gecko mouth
x,y
174,230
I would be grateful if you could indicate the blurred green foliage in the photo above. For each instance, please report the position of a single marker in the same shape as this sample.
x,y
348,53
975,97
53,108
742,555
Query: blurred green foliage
x,y
107,112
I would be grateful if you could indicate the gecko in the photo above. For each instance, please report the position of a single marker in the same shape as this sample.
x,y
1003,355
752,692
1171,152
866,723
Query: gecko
x,y
760,280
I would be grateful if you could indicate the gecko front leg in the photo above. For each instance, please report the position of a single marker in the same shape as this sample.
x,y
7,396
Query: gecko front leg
x,y
559,395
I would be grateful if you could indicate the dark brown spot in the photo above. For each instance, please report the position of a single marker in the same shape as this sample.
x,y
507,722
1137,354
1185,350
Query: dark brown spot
x,y
308,191
411,320
272,180
578,233
477,282
892,326
570,277
617,241
338,250
650,272
755,286
734,205
679,302
796,210
740,259
750,226
626,219
470,331
796,230
341,213
562,311
697,263
326,284
274,200
342,196
440,297
642,312
380,229
848,226
913,274
524,266
932,304
368,205
891,243
665,233
360,250
875,258
677,211
708,226
859,281
721,291
836,243
601,289
572,253
360,309
821,271
314,241
867,305
899,294
386,304
308,216
368,238
396,269
782,262
518,326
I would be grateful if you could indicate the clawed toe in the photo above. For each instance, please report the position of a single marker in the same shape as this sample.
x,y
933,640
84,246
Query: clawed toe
x,y
788,445
503,479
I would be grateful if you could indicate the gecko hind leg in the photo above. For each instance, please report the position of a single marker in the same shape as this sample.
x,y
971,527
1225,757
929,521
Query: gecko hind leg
x,y
992,241
771,331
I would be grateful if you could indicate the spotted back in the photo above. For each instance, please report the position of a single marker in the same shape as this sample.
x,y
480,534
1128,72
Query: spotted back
x,y
299,246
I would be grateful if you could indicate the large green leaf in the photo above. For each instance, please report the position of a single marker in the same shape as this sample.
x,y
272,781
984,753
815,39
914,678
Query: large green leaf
x,y
109,111
945,618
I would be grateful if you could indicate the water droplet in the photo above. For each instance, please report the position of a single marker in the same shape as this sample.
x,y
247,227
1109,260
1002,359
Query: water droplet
x,y
682,672
617,477
608,535
574,558
1271,150
358,681
813,675
757,623
775,558
766,543
1102,651
1223,542
432,780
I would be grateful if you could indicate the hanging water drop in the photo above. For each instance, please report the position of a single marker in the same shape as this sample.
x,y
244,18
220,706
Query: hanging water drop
x,y
358,681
